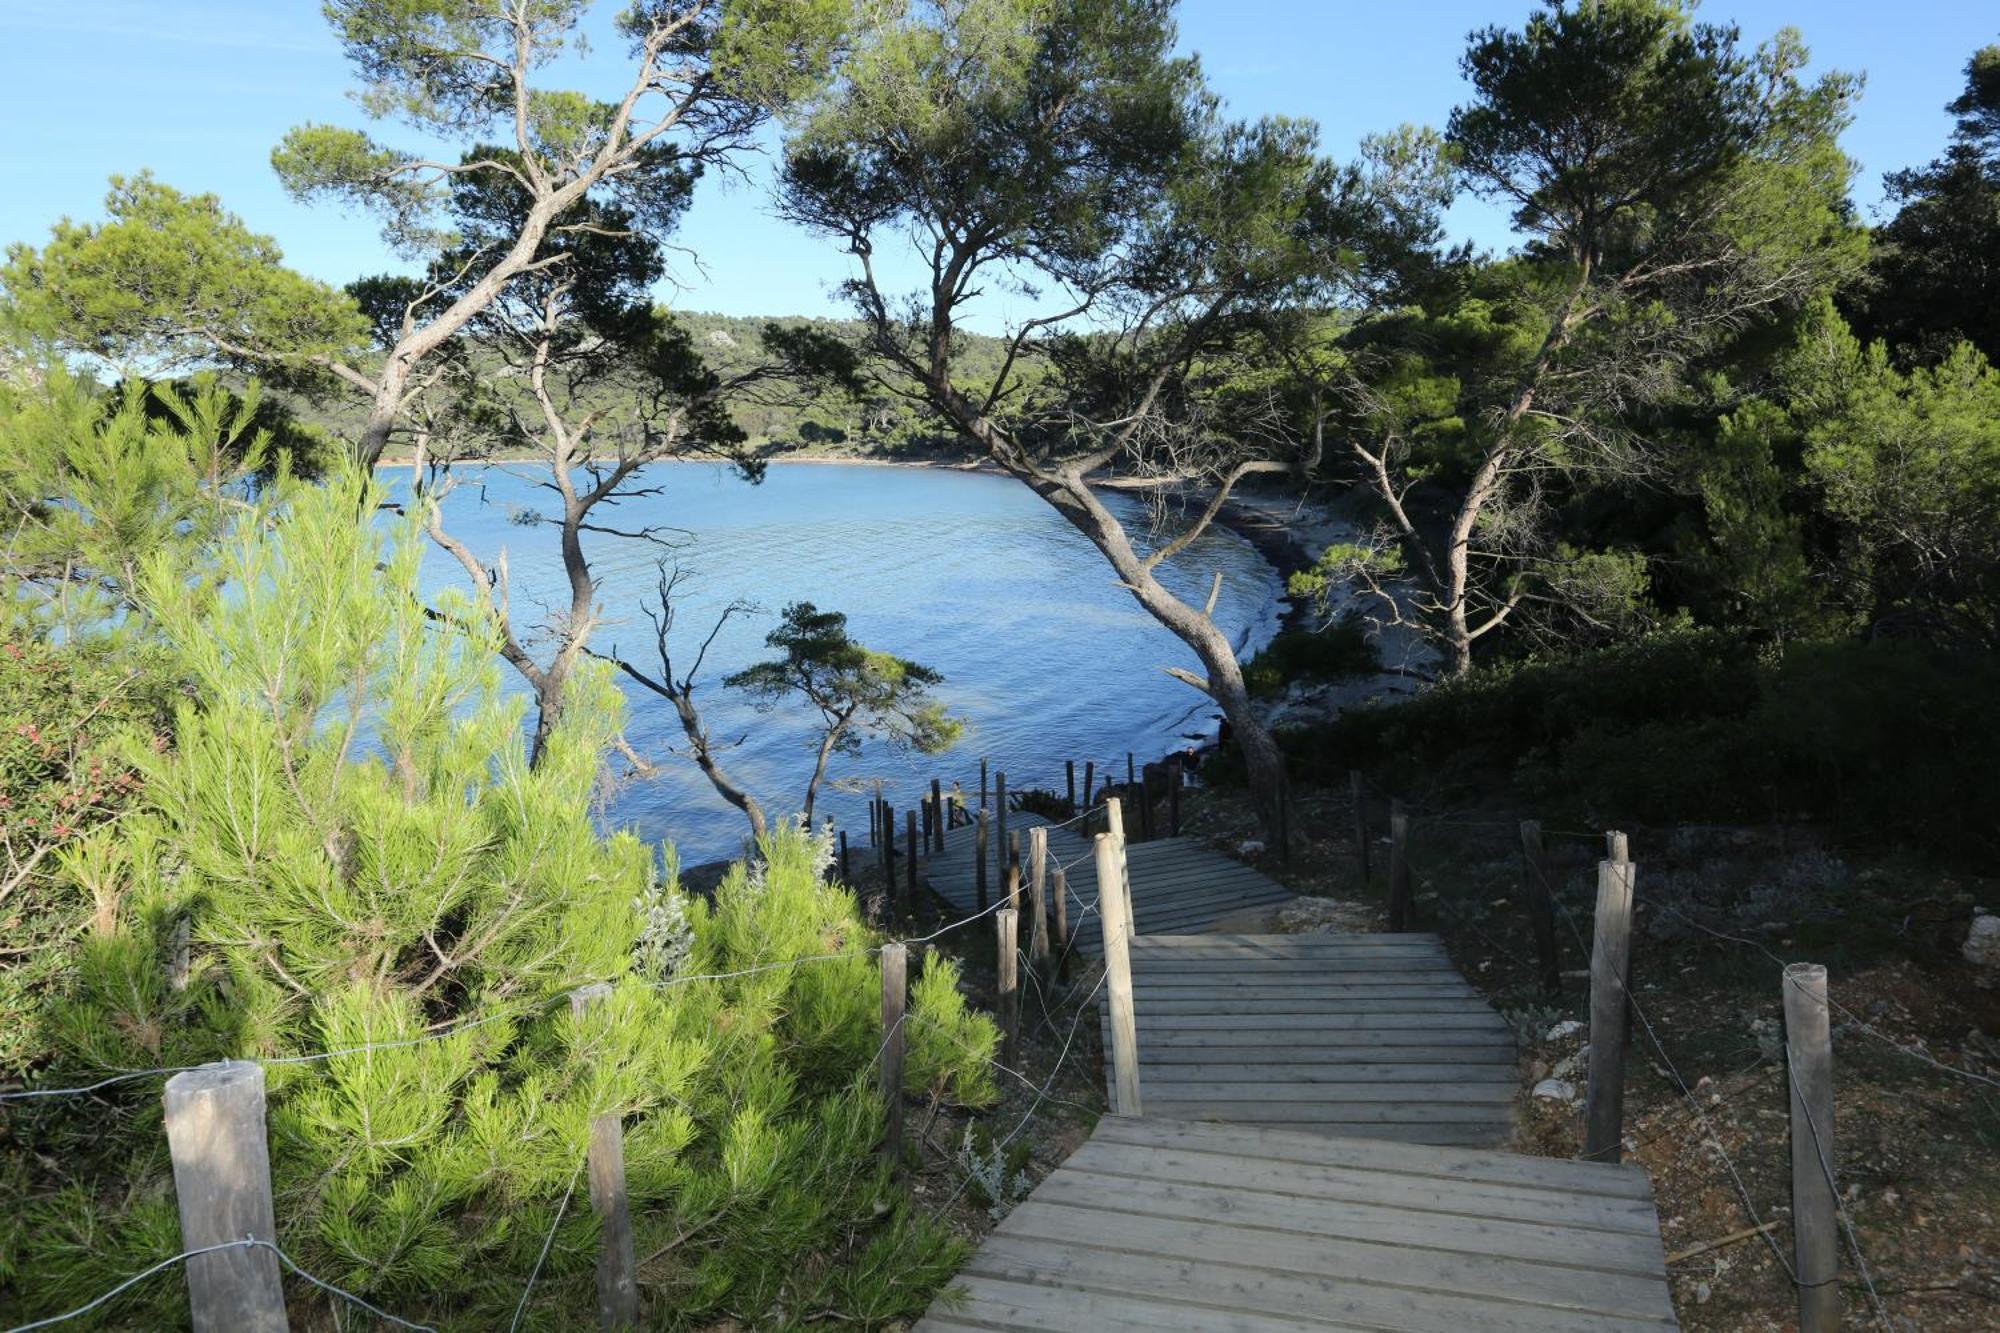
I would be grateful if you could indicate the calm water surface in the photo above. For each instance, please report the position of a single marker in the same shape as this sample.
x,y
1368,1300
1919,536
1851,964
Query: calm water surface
x,y
1044,656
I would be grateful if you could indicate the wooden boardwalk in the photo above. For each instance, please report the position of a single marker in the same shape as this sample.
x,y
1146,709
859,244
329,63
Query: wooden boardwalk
x,y
1179,885
1312,1153
1166,1225
1374,1035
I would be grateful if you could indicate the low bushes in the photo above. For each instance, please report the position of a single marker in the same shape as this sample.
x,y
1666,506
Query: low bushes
x,y
1893,741
1340,651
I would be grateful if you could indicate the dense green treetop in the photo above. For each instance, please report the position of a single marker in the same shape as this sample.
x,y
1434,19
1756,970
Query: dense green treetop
x,y
1936,272
170,281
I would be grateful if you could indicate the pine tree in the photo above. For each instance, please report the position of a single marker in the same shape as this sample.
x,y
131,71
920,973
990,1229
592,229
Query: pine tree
x,y
344,865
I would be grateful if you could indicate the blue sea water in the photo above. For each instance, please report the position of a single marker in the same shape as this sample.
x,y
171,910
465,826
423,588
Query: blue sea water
x,y
1044,656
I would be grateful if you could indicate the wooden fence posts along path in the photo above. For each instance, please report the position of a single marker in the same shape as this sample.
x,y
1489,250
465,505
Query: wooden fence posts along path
x,y
1316,1145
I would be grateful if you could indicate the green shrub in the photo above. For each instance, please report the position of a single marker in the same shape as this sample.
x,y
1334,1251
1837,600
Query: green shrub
x,y
1340,651
343,846
1894,741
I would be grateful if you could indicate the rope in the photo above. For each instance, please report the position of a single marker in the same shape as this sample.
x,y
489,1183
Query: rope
x,y
248,1242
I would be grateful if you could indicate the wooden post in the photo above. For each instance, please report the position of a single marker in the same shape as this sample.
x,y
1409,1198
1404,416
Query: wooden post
x,y
1114,827
1610,1024
1089,778
1357,792
1174,798
1118,980
979,859
1038,900
222,1181
1131,774
937,816
1616,847
1059,886
1000,806
1399,867
1069,778
888,849
1815,1218
1539,890
1146,803
617,1271
1014,875
1007,920
895,978
982,784
843,856
875,825
910,871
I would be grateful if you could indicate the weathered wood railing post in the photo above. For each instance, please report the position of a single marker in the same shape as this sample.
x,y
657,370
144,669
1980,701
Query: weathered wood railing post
x,y
1399,867
1000,809
843,856
617,1270
1815,1219
1118,979
937,816
1539,891
222,1182
895,990
1007,955
982,784
910,871
1038,900
888,844
1146,803
1617,847
1114,827
1357,792
1069,779
1059,886
1089,778
1131,774
1174,798
979,854
1610,1020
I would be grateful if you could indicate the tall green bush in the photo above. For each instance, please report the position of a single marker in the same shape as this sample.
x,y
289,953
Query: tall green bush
x,y
343,865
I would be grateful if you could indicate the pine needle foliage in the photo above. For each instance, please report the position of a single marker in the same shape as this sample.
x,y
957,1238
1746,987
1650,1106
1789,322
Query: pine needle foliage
x,y
343,864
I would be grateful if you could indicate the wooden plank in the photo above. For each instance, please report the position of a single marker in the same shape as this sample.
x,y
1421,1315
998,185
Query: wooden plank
x,y
1337,1055
1285,1023
1131,1272
1028,1307
1242,1244
1336,1076
1505,1168
1530,1242
1411,1092
1590,1215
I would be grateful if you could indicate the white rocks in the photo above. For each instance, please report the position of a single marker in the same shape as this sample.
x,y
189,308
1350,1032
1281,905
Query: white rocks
x,y
1982,947
1564,1030
1556,1090
1250,847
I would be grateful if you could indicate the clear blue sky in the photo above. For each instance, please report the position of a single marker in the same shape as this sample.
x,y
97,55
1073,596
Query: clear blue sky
x,y
199,91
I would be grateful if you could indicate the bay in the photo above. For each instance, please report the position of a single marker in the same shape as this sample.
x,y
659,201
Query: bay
x,y
1045,657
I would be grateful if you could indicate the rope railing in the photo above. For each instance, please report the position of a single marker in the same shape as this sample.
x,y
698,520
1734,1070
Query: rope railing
x,y
248,1242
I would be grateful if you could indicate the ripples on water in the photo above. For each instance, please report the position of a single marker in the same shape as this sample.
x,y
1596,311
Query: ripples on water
x,y
1044,656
